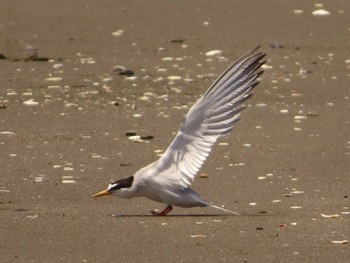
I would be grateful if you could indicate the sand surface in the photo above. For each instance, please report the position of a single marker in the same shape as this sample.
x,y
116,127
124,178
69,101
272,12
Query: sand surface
x,y
64,115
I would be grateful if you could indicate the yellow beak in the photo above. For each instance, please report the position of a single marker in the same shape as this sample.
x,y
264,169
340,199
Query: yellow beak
x,y
102,193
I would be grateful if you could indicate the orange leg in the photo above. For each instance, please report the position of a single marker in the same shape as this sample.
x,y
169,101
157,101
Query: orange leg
x,y
164,212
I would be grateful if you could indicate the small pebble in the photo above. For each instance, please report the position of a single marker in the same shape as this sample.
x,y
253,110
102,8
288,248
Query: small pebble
x,y
203,175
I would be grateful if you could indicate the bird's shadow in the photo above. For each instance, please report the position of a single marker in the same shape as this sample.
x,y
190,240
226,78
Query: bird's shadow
x,y
182,215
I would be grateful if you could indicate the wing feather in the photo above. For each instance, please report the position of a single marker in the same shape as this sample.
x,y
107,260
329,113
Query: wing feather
x,y
211,117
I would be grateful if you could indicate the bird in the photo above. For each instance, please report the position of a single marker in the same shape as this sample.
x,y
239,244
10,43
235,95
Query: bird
x,y
168,180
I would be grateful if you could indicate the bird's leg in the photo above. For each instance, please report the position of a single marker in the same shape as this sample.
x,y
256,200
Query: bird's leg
x,y
164,212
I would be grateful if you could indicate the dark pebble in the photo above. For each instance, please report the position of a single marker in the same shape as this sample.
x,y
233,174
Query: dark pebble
x,y
146,137
259,228
130,133
177,40
21,210
126,72
2,56
125,164
2,106
123,71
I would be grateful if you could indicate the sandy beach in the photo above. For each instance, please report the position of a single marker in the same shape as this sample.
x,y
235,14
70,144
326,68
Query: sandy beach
x,y
65,110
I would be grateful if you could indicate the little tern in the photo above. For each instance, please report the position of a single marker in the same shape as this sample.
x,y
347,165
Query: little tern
x,y
168,180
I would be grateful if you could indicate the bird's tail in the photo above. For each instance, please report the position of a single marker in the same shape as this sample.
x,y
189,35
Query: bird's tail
x,y
223,209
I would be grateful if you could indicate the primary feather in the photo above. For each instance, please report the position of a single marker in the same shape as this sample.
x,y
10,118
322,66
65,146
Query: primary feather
x,y
211,117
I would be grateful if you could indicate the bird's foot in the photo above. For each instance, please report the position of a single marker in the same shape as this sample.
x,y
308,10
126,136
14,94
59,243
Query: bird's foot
x,y
163,213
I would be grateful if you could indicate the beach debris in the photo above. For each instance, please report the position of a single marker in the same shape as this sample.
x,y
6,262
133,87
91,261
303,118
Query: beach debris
x,y
312,114
2,105
195,236
296,207
259,228
118,33
123,71
133,136
67,179
330,216
7,133
176,40
340,241
321,12
276,45
174,77
298,11
203,175
54,79
213,53
30,102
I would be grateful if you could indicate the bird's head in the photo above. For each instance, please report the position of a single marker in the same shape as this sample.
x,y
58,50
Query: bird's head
x,y
120,188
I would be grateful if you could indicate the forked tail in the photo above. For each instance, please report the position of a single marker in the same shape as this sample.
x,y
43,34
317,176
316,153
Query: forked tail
x,y
223,209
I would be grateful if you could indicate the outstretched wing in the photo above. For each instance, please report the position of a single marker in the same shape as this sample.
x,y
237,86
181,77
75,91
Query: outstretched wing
x,y
211,117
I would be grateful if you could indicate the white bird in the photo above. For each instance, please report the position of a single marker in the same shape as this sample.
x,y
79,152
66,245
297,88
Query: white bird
x,y
169,179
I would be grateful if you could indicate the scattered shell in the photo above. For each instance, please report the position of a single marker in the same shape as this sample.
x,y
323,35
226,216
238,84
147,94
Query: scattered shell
x,y
213,53
194,236
284,111
67,181
276,201
7,133
297,192
298,11
118,33
299,117
312,114
296,207
54,79
252,204
30,102
340,241
168,59
174,77
330,216
321,12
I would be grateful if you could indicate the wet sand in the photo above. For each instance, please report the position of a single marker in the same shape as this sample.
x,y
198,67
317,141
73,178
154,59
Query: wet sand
x,y
63,120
